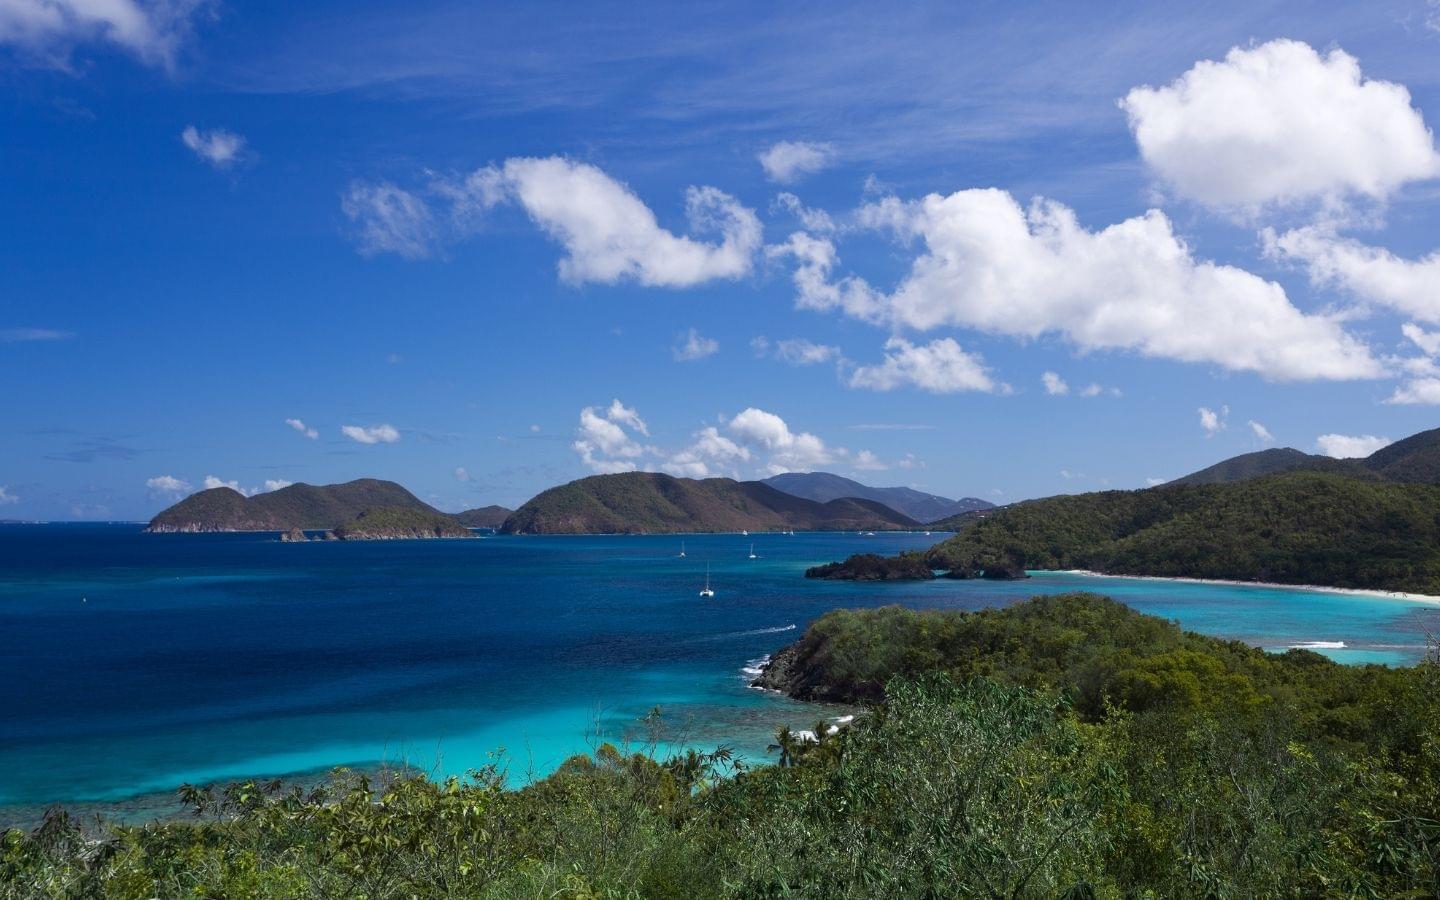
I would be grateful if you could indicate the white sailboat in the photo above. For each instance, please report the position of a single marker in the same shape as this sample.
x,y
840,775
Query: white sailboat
x,y
752,552
705,591
682,549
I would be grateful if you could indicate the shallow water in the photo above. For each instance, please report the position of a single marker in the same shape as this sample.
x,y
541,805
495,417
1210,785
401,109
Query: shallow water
x,y
131,663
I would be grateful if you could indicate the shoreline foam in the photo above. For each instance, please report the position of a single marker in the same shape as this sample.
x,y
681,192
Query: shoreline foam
x,y
1422,599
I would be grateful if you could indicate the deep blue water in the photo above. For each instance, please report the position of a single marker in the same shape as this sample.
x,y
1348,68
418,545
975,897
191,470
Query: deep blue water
x,y
131,663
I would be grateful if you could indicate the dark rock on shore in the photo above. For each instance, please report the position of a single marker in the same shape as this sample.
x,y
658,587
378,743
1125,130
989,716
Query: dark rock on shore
x,y
873,567
293,536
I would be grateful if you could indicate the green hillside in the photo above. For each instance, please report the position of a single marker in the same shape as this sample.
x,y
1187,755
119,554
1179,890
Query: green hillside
x,y
484,517
305,506
1299,528
652,503
398,523
1273,462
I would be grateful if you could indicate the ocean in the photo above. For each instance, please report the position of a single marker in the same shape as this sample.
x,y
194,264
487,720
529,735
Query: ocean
x,y
133,663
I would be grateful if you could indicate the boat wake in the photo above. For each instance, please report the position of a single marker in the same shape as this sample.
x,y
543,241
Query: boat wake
x,y
1318,645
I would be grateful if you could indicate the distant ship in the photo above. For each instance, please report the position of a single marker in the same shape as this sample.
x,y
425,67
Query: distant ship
x,y
705,591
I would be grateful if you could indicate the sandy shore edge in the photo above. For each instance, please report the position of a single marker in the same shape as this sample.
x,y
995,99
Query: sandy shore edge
x,y
1423,599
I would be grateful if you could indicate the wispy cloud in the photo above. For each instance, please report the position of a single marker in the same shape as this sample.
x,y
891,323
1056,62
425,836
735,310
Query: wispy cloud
x,y
300,427
371,434
22,335
216,146
691,345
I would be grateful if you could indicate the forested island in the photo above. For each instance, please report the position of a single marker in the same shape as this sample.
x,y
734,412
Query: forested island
x,y
1067,746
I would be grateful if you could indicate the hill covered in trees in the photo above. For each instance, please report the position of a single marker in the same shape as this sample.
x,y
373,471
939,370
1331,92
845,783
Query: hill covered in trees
x,y
1064,747
652,503
1414,460
389,523
305,506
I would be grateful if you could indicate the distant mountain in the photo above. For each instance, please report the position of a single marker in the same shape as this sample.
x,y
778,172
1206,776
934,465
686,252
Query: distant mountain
x,y
1271,462
484,517
918,505
648,502
305,506
1416,459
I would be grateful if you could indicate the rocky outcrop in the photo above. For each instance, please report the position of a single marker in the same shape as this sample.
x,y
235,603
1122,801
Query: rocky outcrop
x,y
873,567
293,536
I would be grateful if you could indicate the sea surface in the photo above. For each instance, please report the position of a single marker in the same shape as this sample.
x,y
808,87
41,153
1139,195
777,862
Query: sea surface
x,y
133,663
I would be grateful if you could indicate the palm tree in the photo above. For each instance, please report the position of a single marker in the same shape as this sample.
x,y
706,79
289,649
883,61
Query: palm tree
x,y
786,743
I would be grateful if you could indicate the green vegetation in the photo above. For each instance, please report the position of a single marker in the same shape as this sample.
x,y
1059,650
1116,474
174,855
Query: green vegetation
x,y
1065,747
874,567
398,522
651,503
484,517
1413,460
1299,528
305,506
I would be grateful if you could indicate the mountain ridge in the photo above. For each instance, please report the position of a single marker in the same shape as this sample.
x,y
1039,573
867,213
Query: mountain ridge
x,y
823,487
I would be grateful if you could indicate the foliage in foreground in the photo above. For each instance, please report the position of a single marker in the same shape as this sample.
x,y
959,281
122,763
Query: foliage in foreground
x,y
1202,773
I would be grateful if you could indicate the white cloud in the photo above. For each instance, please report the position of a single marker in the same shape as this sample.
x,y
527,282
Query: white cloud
x,y
939,367
302,428
789,161
211,482
789,451
371,434
760,346
1372,274
1261,432
1154,482
803,352
390,219
991,265
1055,386
7,498
1095,390
1345,446
626,415
25,335
47,31
168,486
609,234
865,461
1417,392
602,442
1280,123
814,220
691,345
710,448
1428,341
275,484
461,474
218,147
1211,421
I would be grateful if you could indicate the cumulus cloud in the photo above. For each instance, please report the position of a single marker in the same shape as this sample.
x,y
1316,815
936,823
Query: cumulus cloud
x,y
218,147
992,265
1095,390
168,486
211,482
1280,123
601,439
789,161
275,484
626,415
865,461
46,32
1261,432
7,498
389,219
1213,422
789,450
1345,446
461,474
1372,274
608,233
1055,386
302,428
1417,392
939,367
691,345
371,434
708,450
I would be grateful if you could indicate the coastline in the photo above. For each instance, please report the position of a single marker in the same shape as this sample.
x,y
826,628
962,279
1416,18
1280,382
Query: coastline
x,y
1422,599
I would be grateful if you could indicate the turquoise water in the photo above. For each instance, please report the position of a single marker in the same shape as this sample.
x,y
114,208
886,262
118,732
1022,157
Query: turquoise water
x,y
131,663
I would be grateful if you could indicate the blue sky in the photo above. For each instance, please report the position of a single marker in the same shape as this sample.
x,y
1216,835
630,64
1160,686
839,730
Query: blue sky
x,y
508,246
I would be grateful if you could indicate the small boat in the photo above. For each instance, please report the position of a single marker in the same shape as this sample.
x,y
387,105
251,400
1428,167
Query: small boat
x,y
869,534
927,534
682,549
705,591
745,533
752,552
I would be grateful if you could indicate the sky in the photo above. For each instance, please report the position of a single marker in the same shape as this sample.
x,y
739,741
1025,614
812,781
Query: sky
x,y
985,249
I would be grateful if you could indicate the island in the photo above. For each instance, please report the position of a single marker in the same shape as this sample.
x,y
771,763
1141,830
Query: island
x,y
401,523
